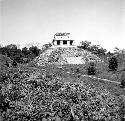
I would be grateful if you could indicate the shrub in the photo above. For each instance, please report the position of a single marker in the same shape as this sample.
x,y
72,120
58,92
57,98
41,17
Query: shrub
x,y
123,79
113,64
122,83
91,69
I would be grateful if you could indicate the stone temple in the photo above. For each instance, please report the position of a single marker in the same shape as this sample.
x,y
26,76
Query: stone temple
x,y
63,51
62,40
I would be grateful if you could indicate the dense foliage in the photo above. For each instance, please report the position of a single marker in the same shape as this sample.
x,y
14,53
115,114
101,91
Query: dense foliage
x,y
113,64
95,49
23,55
91,69
36,96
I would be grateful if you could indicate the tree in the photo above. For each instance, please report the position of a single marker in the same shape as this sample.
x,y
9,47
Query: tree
x,y
84,44
25,51
18,56
30,54
91,69
109,54
95,49
34,50
113,64
117,50
101,51
4,51
12,46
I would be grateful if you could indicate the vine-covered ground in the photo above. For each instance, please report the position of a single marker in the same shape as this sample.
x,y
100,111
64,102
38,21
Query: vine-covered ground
x,y
43,94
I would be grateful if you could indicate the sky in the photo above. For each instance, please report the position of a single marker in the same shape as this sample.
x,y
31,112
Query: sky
x,y
102,22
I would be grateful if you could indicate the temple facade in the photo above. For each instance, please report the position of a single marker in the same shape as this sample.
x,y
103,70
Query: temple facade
x,y
62,40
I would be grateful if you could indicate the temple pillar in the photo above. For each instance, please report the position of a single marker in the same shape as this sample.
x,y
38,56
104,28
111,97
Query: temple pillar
x,y
61,42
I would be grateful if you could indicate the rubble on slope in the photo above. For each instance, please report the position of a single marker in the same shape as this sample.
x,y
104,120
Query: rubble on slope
x,y
69,55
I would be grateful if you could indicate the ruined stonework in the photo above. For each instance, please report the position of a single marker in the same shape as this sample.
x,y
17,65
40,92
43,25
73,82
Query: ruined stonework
x,y
62,40
63,52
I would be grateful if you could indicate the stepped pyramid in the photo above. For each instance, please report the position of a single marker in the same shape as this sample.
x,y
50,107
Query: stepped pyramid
x,y
64,52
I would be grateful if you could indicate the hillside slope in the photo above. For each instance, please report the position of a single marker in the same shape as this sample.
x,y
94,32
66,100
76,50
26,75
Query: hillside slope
x,y
69,55
36,95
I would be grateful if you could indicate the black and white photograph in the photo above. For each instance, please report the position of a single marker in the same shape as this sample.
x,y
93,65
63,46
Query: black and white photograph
x,y
62,60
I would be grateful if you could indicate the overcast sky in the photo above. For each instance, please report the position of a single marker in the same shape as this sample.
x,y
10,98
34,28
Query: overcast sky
x,y
100,21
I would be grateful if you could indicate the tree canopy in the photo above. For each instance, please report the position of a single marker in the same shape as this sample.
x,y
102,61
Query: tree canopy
x,y
95,49
19,55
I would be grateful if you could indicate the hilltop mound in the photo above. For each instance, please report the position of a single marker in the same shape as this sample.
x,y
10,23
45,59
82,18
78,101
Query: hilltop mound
x,y
68,55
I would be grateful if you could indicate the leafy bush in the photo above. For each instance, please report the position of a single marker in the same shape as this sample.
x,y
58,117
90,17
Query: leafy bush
x,y
20,56
91,69
113,64
122,83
